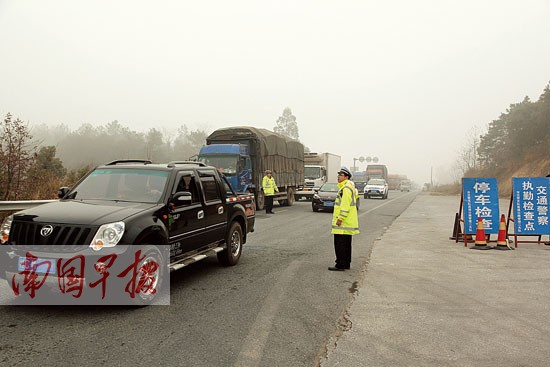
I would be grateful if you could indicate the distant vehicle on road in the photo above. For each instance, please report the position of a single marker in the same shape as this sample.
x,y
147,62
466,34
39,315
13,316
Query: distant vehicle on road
x,y
244,153
377,171
405,186
319,168
376,187
360,185
394,181
325,197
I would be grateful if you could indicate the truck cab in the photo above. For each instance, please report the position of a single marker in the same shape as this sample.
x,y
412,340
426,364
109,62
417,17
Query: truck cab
x,y
314,177
319,168
233,160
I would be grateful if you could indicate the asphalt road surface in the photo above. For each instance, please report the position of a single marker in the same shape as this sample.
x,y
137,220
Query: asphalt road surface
x,y
279,306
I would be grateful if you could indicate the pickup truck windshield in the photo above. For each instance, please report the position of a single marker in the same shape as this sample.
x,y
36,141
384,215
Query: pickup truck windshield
x,y
133,185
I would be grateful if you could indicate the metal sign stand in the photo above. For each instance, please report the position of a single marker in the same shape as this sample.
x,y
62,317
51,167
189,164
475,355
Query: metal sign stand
x,y
516,240
458,234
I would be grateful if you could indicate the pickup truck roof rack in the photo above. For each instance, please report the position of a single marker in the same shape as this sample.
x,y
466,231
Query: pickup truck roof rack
x,y
173,163
126,161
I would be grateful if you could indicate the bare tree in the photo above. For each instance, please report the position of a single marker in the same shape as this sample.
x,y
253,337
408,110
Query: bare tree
x,y
468,156
15,157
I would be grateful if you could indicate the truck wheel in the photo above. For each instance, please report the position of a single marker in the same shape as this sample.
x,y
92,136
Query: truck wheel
x,y
149,275
231,255
260,201
290,197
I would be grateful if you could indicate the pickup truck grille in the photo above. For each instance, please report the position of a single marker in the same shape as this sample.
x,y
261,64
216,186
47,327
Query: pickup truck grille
x,y
309,184
63,238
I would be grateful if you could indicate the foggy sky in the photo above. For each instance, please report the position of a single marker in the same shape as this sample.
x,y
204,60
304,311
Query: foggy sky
x,y
401,80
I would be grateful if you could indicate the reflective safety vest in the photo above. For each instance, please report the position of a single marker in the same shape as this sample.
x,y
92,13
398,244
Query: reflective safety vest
x,y
354,189
268,184
345,209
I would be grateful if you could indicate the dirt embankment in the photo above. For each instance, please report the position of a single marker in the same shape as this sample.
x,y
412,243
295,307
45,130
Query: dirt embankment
x,y
535,165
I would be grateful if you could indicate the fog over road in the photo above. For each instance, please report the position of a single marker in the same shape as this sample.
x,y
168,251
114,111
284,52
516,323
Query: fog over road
x,y
279,306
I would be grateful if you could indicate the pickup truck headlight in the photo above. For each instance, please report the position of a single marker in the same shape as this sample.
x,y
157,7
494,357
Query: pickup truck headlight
x,y
5,229
108,235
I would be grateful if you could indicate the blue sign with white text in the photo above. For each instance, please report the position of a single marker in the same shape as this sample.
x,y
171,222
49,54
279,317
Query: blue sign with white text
x,y
531,196
480,201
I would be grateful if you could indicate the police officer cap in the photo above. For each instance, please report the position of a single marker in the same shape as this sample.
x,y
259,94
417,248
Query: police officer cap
x,y
268,171
345,171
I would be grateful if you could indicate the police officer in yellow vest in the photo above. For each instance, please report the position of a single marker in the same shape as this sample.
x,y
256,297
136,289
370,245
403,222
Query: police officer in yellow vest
x,y
344,220
270,188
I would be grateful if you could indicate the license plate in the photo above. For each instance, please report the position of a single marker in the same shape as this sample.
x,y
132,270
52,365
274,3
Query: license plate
x,y
36,265
330,203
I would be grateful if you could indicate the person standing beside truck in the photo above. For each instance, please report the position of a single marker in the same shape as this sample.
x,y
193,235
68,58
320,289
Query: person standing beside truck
x,y
270,188
345,222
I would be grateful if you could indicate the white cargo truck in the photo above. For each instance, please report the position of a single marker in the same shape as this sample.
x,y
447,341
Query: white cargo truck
x,y
318,169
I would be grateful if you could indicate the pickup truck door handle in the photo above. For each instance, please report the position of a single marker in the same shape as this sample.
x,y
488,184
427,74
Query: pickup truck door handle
x,y
200,214
220,210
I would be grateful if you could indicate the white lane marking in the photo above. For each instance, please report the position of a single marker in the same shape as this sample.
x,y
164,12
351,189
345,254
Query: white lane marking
x,y
376,207
254,344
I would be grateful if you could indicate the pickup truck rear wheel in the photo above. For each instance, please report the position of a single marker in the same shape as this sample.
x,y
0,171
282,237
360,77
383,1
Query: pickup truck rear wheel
x,y
231,255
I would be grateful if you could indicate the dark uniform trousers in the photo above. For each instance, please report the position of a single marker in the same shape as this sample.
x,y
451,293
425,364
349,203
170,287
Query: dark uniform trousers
x,y
268,203
342,249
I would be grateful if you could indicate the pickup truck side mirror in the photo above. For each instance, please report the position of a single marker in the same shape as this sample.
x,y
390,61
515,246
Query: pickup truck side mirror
x,y
182,198
62,192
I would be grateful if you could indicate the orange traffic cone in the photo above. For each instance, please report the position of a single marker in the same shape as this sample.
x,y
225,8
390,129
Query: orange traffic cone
x,y
481,240
502,240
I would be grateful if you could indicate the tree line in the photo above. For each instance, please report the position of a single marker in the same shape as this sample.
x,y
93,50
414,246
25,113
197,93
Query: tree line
x,y
35,163
523,130
518,135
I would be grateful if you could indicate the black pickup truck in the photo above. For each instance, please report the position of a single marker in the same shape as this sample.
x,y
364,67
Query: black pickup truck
x,y
186,209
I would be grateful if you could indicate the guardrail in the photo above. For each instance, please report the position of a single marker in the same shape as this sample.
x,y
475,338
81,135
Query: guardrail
x,y
6,206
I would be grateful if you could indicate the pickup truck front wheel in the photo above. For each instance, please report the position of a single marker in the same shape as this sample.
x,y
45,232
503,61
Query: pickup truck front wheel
x,y
150,276
231,255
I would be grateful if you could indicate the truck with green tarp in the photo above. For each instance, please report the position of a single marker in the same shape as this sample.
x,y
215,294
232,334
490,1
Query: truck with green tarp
x,y
244,153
